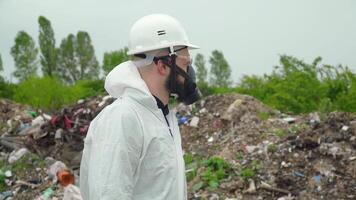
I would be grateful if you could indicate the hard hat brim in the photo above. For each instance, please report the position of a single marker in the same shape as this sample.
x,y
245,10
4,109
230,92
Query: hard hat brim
x,y
137,51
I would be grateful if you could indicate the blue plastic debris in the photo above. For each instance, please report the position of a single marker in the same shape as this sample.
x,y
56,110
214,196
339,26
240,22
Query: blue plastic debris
x,y
317,178
182,119
298,174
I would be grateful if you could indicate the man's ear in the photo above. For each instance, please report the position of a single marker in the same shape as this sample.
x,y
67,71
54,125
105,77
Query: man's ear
x,y
162,69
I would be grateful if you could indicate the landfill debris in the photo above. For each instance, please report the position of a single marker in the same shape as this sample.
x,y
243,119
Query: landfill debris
x,y
46,194
72,192
194,122
252,187
289,119
211,139
55,168
8,174
271,155
5,195
16,155
292,157
65,177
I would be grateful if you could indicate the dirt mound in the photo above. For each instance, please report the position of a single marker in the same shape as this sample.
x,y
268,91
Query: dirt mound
x,y
272,155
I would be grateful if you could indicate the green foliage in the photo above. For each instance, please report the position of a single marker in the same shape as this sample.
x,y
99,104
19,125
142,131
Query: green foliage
x,y
7,89
251,170
263,115
76,58
295,129
207,90
216,170
255,86
220,70
247,173
47,46
3,186
272,148
1,67
201,72
188,159
239,155
24,53
280,133
88,64
49,93
192,164
67,61
114,58
299,87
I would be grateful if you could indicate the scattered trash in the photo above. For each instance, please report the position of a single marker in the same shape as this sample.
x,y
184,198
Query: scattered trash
x,y
72,192
5,195
345,128
182,120
289,119
289,197
16,155
252,187
298,174
54,169
40,120
46,194
317,178
301,156
8,174
211,139
65,177
194,121
314,118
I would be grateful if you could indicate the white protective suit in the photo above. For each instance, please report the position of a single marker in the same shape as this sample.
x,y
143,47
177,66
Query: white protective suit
x,y
128,151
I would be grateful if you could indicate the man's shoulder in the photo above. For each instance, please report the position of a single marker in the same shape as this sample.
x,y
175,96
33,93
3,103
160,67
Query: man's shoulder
x,y
120,106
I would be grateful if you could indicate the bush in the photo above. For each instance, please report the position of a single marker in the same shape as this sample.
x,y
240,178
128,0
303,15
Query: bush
x,y
297,87
6,89
50,94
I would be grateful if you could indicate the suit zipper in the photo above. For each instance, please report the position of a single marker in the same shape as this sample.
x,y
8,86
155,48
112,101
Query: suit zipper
x,y
169,127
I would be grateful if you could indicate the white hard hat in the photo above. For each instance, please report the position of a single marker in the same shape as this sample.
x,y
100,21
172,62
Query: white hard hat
x,y
157,31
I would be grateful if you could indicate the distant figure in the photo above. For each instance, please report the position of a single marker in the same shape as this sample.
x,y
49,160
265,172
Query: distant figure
x,y
133,147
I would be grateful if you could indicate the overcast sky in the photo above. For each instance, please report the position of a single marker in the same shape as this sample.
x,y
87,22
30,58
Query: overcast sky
x,y
251,33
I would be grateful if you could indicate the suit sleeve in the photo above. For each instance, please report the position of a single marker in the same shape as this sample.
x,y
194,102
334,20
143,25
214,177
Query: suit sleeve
x,y
116,144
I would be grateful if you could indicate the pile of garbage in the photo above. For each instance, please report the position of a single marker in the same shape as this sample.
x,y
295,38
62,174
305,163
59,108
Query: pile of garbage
x,y
271,155
235,148
40,153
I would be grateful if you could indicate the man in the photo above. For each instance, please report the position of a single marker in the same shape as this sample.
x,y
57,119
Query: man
x,y
133,147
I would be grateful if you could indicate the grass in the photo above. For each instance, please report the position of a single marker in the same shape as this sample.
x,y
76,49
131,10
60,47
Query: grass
x,y
263,115
251,170
281,133
214,170
247,173
272,148
19,167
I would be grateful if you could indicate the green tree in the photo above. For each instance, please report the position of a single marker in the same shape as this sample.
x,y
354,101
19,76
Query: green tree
x,y
1,67
47,46
112,59
88,64
67,60
220,70
202,72
24,53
